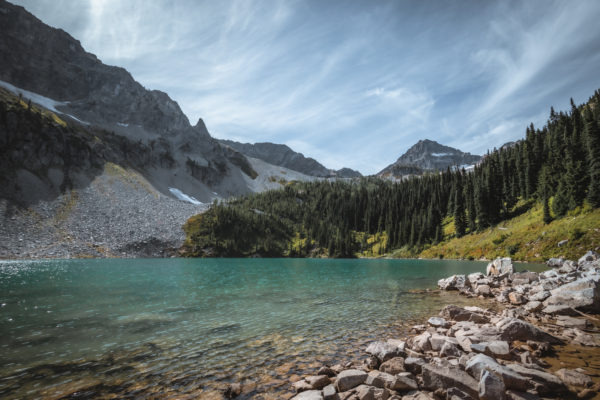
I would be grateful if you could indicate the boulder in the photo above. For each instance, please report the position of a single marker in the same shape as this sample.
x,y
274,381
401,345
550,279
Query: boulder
x,y
500,266
438,322
533,306
495,349
589,256
364,392
516,298
474,277
483,290
582,294
540,296
435,377
383,350
455,282
575,378
516,395
329,393
418,396
325,370
318,382
555,262
349,379
512,380
301,386
378,379
491,387
309,395
413,364
437,341
570,322
512,329
393,366
450,350
456,313
404,381
421,342
547,383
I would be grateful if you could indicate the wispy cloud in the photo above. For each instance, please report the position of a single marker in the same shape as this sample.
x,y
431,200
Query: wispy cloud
x,y
349,83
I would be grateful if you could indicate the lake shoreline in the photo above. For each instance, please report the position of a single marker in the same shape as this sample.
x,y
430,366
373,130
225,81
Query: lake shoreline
x,y
532,347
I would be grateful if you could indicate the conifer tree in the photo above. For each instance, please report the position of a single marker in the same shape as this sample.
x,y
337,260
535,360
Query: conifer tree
x,y
593,139
459,207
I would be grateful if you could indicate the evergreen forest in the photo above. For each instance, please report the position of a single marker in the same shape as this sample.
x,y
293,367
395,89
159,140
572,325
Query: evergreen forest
x,y
557,165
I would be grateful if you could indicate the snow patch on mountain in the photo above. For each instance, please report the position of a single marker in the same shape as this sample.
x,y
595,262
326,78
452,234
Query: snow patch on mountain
x,y
184,197
46,102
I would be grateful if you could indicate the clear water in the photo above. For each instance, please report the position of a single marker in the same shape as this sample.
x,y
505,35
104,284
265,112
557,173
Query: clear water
x,y
175,327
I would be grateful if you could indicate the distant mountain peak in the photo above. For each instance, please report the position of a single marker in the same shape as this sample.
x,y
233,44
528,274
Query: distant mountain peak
x,y
428,155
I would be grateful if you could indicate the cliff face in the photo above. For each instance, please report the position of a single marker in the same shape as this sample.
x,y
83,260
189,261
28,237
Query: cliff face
x,y
428,155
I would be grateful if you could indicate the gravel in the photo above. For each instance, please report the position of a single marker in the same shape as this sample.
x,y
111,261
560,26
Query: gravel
x,y
117,215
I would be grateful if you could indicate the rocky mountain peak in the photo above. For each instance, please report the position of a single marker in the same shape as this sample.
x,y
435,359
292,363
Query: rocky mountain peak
x,y
428,155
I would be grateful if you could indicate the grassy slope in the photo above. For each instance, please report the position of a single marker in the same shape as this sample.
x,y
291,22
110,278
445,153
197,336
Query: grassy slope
x,y
524,237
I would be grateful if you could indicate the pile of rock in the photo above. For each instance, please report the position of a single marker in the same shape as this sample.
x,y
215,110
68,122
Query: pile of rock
x,y
475,353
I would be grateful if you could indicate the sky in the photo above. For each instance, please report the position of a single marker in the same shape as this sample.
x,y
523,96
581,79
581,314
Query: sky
x,y
349,83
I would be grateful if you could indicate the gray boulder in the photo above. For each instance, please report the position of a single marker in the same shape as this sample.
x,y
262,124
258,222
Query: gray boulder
x,y
512,380
512,329
573,377
438,322
495,348
582,294
555,262
349,379
589,256
309,395
435,377
393,366
329,393
455,282
546,383
491,387
500,266
383,350
456,313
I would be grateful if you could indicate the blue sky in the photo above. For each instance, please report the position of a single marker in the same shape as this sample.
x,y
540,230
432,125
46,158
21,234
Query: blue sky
x,y
350,83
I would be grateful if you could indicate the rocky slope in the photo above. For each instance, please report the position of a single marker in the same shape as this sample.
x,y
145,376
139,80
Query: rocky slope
x,y
534,348
282,155
427,155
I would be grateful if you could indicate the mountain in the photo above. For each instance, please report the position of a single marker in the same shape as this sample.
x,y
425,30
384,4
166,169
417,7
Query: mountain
x,y
102,165
49,64
282,155
427,155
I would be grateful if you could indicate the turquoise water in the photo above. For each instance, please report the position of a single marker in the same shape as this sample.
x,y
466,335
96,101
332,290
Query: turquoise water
x,y
187,326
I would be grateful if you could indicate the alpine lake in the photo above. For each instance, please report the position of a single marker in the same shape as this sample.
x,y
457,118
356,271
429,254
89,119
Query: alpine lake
x,y
185,328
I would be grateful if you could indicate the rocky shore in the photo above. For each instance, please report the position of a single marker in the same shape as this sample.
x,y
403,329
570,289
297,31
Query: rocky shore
x,y
515,352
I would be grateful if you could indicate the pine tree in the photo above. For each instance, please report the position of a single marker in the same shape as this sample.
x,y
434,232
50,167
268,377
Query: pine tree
x,y
593,139
547,217
460,223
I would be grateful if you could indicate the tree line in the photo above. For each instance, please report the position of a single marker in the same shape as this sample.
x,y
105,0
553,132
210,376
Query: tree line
x,y
558,165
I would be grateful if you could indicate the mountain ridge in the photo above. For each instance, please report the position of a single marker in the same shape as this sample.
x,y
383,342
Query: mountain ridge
x,y
282,155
